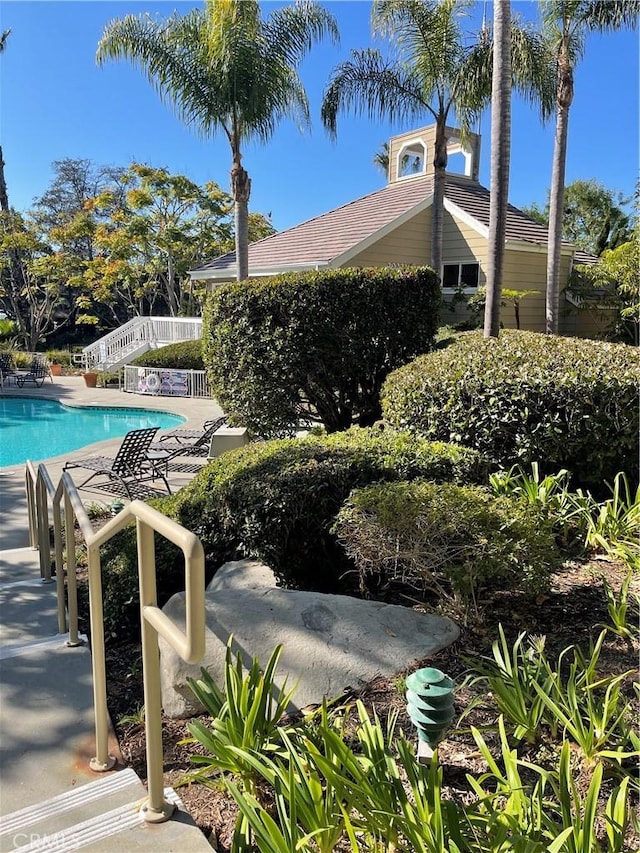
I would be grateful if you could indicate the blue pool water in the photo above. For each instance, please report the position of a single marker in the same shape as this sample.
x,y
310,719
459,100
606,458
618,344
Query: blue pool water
x,y
32,428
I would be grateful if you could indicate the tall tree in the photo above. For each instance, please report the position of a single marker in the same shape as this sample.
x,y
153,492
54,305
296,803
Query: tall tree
x,y
435,72
566,24
4,199
500,160
225,68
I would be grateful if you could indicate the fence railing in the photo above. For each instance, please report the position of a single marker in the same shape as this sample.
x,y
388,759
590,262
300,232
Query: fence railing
x,y
139,335
41,496
165,382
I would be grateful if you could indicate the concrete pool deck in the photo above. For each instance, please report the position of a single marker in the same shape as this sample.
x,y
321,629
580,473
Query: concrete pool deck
x,y
72,391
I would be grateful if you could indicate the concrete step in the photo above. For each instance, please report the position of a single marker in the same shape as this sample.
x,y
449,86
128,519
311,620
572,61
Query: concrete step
x,y
29,610
18,564
104,816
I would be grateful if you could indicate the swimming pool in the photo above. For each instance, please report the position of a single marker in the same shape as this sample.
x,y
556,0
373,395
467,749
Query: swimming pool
x,y
33,428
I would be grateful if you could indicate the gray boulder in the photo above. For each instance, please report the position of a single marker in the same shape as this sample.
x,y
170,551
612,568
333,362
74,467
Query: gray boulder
x,y
331,642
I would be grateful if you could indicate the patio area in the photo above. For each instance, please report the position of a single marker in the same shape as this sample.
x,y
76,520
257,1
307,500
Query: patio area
x,y
71,390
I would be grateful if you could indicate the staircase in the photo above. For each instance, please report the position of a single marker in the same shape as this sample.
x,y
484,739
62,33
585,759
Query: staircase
x,y
137,337
50,799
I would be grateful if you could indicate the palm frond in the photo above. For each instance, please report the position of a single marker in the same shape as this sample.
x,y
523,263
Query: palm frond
x,y
292,31
374,87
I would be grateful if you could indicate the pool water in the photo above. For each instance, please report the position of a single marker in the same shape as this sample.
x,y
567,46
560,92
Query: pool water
x,y
32,428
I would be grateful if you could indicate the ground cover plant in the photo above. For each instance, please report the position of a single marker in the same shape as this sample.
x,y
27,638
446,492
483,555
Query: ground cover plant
x,y
315,345
526,397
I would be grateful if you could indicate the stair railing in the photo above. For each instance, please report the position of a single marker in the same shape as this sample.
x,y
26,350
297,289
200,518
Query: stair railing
x,y
189,644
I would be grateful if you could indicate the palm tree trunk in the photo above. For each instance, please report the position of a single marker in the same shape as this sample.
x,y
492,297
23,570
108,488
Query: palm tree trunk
x,y
4,198
241,190
500,156
437,208
556,193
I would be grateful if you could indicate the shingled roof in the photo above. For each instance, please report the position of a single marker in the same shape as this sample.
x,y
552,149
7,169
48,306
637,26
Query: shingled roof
x,y
332,238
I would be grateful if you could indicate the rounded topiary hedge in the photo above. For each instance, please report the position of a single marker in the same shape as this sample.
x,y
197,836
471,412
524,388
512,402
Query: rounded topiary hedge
x,y
276,501
525,397
315,344
186,355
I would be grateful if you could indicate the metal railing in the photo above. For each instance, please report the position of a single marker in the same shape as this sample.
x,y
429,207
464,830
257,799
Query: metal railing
x,y
165,382
189,644
136,337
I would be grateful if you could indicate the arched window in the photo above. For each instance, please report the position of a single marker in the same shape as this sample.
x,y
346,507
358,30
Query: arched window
x,y
412,159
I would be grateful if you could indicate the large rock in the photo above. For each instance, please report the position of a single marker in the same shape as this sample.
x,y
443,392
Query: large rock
x,y
331,642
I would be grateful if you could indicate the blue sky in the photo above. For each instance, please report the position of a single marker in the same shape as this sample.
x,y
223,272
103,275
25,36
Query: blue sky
x,y
55,103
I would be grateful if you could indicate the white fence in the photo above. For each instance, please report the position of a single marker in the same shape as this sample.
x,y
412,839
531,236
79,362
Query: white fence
x,y
164,382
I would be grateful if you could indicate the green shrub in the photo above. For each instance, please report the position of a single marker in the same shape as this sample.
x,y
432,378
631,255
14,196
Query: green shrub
x,y
59,356
525,397
315,344
453,540
186,355
8,329
276,501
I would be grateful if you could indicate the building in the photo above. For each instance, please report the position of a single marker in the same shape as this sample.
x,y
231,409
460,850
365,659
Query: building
x,y
393,226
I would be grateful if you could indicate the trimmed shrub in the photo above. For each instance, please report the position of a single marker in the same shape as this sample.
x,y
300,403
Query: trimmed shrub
x,y
276,501
446,538
526,397
315,344
186,355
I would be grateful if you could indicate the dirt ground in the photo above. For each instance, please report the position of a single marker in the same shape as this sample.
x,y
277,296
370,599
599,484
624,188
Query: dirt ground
x,y
571,613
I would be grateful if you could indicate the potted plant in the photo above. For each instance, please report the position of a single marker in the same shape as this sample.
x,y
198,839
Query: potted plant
x,y
56,368
90,379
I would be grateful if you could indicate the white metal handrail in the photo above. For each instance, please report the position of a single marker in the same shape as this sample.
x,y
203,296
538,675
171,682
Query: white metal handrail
x,y
139,335
189,644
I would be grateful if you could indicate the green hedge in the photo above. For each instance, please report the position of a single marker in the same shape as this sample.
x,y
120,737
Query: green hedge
x,y
452,540
525,397
186,355
276,501
320,342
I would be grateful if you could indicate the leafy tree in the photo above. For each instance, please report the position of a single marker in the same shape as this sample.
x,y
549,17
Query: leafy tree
x,y
593,218
613,283
225,68
566,24
156,232
32,297
500,160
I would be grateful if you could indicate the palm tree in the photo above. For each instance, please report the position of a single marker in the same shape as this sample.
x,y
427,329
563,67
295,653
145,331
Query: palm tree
x,y
4,198
225,68
566,24
434,73
500,157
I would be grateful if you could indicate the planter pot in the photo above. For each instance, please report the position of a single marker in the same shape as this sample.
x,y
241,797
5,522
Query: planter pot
x,y
90,379
56,369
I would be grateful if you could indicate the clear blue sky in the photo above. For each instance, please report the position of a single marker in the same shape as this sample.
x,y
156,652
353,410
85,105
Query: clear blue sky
x,y
56,103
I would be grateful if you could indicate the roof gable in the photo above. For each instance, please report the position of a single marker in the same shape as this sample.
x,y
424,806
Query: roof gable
x,y
333,238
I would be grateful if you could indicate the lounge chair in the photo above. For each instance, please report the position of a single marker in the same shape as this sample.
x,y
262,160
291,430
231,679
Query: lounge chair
x,y
188,442
131,466
37,373
7,367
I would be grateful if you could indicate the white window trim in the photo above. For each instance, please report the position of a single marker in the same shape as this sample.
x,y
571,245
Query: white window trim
x,y
408,143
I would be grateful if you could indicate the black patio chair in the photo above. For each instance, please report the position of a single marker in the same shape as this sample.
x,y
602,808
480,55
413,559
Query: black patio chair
x,y
37,373
188,442
130,467
7,367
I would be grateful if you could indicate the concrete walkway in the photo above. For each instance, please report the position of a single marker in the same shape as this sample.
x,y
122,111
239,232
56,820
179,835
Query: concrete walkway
x,y
50,799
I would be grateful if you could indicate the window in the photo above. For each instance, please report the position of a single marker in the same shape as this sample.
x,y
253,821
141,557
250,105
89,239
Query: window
x,y
411,159
460,275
